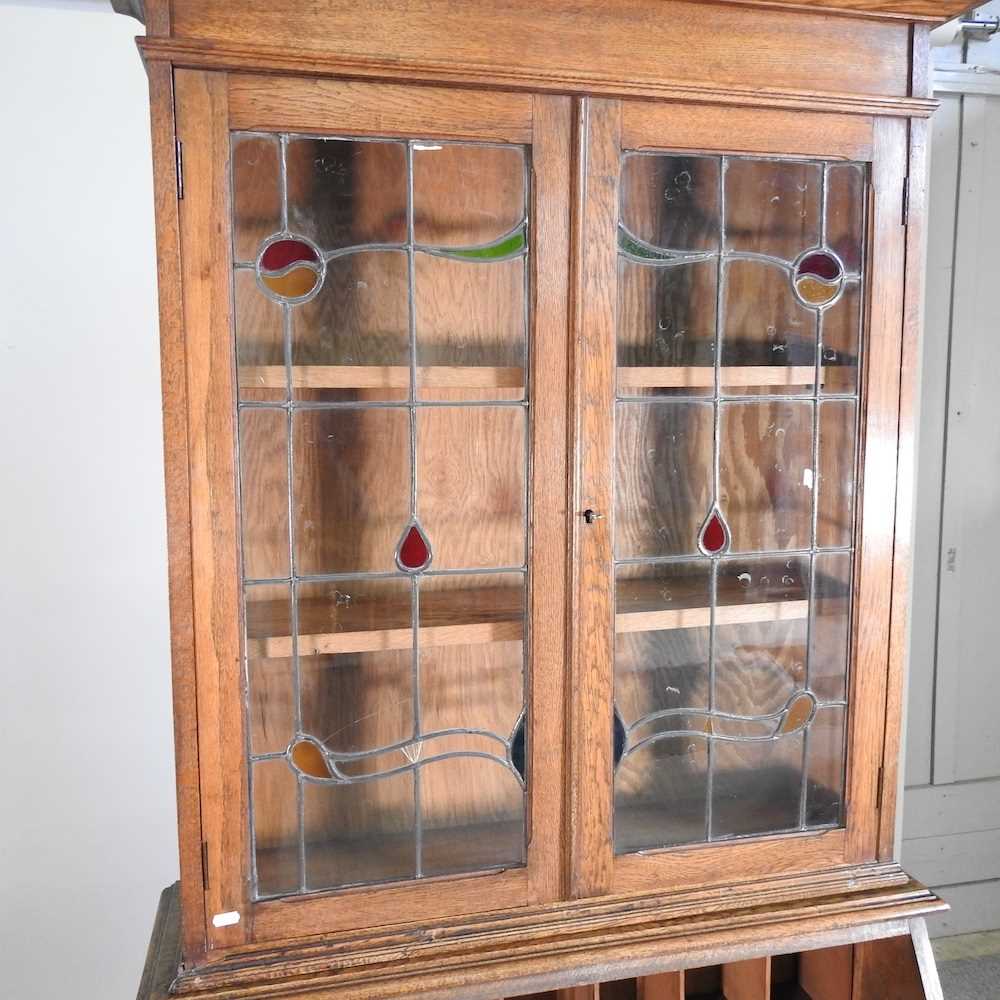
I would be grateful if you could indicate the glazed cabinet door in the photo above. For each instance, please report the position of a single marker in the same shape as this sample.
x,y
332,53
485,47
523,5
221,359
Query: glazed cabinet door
x,y
739,334
375,304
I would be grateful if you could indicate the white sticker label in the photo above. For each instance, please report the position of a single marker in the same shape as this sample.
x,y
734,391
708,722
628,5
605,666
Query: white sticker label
x,y
226,919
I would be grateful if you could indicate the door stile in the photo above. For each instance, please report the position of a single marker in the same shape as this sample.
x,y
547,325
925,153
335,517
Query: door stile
x,y
176,471
878,483
549,557
203,128
916,247
594,276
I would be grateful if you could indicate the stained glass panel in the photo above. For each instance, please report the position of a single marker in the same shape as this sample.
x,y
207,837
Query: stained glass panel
x,y
381,345
740,292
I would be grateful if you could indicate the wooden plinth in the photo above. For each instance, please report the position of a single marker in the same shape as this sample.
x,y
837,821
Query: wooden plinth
x,y
858,934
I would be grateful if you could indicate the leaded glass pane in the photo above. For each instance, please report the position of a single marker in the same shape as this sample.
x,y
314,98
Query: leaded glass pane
x,y
740,294
351,341
663,477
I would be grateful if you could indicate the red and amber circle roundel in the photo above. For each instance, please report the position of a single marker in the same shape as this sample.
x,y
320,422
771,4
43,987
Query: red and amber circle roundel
x,y
818,277
290,268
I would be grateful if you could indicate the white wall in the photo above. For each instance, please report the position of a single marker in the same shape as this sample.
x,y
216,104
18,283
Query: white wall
x,y
87,828
951,815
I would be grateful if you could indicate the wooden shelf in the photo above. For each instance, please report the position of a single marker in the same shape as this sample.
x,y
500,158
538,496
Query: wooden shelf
x,y
491,614
703,377
483,377
449,618
380,377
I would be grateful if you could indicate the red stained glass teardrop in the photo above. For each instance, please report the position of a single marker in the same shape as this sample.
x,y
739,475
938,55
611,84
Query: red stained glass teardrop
x,y
714,535
414,551
282,253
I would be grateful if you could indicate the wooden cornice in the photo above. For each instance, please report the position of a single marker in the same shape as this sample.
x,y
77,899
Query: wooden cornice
x,y
199,54
908,10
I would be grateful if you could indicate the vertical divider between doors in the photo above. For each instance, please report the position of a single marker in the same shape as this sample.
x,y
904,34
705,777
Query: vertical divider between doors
x,y
551,157
593,316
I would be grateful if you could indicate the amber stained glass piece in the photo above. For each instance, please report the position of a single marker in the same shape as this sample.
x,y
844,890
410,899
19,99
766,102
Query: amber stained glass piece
x,y
292,284
308,758
816,293
798,713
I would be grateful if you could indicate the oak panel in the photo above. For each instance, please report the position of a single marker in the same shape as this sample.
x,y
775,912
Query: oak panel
x,y
280,104
705,865
827,974
411,902
893,970
638,40
665,986
747,980
745,130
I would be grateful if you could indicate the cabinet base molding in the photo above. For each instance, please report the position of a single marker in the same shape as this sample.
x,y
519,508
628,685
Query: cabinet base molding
x,y
559,947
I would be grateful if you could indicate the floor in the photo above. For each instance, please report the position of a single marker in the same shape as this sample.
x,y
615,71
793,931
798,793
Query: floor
x,y
969,966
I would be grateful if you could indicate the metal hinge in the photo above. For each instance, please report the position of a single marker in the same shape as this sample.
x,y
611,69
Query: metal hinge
x,y
878,793
204,864
179,163
906,201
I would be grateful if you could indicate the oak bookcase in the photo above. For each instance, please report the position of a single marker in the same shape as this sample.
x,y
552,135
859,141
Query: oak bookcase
x,y
538,388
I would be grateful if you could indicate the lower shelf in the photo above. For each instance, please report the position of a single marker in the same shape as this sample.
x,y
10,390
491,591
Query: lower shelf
x,y
496,614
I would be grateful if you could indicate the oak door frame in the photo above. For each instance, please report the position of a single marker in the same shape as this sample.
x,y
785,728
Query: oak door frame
x,y
208,106
605,128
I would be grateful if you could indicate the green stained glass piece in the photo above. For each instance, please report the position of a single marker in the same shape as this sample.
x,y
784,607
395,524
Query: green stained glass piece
x,y
637,248
508,246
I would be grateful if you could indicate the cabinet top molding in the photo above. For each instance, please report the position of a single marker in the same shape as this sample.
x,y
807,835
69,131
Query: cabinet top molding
x,y
763,54
155,13
911,10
